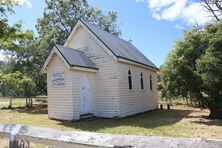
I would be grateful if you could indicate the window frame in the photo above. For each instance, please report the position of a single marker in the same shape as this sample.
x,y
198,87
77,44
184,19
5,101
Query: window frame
x,y
141,81
130,81
151,82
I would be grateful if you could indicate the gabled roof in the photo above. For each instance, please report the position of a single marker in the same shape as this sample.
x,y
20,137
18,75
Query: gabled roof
x,y
75,57
72,58
119,47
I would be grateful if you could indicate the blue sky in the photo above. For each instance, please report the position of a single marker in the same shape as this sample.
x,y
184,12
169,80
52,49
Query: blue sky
x,y
152,26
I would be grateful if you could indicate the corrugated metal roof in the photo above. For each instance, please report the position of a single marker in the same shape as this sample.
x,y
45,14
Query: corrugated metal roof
x,y
75,57
119,47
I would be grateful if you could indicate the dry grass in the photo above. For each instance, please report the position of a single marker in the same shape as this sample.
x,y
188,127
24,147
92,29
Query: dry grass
x,y
180,121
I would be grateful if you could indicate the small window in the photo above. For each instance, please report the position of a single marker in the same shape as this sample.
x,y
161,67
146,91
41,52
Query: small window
x,y
130,80
151,83
141,80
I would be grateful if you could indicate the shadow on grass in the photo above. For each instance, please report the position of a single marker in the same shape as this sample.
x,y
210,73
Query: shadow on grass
x,y
209,122
35,109
152,119
197,117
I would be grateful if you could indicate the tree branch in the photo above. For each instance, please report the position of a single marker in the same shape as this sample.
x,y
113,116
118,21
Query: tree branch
x,y
60,19
209,8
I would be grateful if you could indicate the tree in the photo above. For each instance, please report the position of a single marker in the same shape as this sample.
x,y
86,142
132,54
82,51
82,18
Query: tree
x,y
62,16
17,85
194,68
209,68
10,85
27,88
11,37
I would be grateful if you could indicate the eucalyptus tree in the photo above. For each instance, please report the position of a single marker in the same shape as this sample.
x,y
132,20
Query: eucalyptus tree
x,y
194,68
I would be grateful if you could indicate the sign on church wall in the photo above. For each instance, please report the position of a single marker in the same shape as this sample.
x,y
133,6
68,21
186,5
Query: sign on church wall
x,y
58,79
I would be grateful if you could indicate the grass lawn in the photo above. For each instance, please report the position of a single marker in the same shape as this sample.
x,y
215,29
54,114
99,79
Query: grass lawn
x,y
6,99
180,121
17,102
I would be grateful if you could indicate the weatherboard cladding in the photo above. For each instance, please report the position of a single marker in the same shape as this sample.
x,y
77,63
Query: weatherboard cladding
x,y
75,57
119,47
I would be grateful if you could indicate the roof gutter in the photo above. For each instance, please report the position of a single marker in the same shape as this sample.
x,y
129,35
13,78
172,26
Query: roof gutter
x,y
125,60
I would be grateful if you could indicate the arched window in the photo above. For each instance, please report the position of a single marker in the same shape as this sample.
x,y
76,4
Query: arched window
x,y
141,80
151,82
130,80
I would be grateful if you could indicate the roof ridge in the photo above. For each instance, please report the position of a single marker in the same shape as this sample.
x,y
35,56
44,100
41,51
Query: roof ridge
x,y
104,30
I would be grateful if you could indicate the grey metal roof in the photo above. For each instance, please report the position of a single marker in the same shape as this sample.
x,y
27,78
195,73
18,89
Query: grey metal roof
x,y
75,57
119,47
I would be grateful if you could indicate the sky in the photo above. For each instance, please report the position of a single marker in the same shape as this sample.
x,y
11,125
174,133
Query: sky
x,y
152,25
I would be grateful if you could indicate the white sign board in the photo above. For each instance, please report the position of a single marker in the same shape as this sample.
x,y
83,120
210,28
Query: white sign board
x,y
58,79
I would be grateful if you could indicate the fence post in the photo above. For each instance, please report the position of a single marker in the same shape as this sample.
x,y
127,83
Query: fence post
x,y
12,141
20,143
12,136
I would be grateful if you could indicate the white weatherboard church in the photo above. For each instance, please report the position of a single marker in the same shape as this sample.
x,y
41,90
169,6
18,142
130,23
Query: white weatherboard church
x,y
98,73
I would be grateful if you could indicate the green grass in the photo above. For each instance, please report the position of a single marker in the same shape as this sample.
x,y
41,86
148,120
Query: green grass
x,y
6,99
177,101
17,102
180,121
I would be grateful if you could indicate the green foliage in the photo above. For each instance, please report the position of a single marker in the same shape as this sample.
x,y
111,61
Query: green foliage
x,y
209,67
11,37
5,67
62,16
194,68
16,84
10,83
6,7
27,87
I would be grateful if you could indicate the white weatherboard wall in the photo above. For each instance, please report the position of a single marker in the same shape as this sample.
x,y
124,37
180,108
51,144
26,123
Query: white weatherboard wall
x,y
59,98
106,96
136,100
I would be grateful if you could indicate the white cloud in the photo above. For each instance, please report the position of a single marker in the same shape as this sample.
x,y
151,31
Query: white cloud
x,y
140,1
180,27
24,2
190,12
195,13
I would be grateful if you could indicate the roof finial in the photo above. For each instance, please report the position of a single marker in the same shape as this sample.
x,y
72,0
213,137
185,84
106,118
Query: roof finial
x,y
130,40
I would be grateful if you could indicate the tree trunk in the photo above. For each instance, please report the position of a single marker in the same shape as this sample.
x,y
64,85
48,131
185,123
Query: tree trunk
x,y
215,113
170,101
187,101
31,102
10,102
26,102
